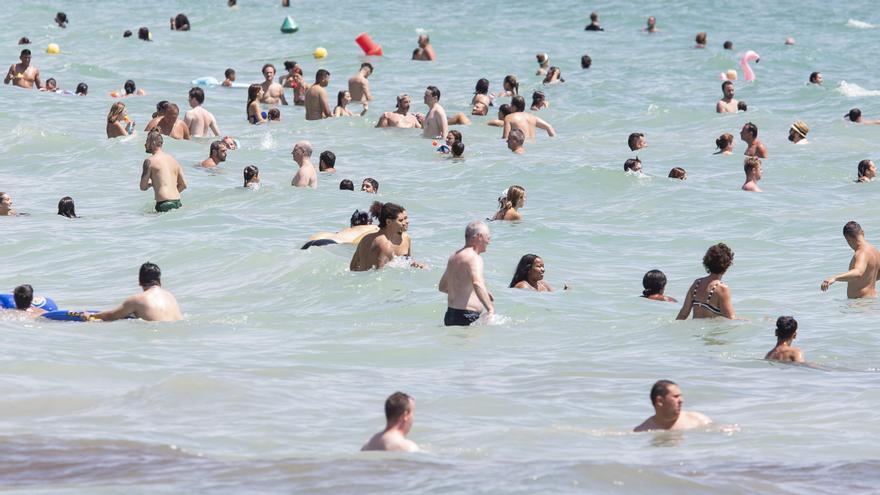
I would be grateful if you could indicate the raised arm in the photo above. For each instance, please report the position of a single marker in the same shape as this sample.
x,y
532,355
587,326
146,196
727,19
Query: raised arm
x,y
542,124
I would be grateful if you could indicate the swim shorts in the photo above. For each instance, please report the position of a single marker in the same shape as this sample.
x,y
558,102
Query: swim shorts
x,y
460,317
319,242
168,205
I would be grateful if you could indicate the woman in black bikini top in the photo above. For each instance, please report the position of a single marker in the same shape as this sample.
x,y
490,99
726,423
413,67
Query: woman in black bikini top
x,y
715,300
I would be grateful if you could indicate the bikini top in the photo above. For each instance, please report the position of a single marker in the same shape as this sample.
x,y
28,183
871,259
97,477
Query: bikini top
x,y
705,304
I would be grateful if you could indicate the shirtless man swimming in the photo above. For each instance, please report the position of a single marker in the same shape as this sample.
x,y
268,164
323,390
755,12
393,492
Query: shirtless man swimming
x,y
526,122
23,74
305,176
273,93
399,411
168,123
377,249
163,174
217,155
198,120
863,268
425,51
317,105
359,86
749,135
435,125
400,117
463,282
727,104
754,172
668,415
153,304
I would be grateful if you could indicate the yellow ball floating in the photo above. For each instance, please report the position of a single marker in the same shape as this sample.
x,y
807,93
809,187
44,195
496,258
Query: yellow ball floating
x,y
320,52
53,49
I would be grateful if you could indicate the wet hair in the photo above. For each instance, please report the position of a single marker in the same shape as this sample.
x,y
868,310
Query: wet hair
x,y
724,140
197,94
82,89
385,212
126,33
586,62
594,16
396,405
854,115
510,80
457,135
554,70
728,45
538,97
249,173
116,110
172,106
27,52
701,38
518,103
367,65
328,158
155,138
751,163
725,84
24,41
181,20
852,230
814,76
504,110
482,87
864,165
129,87
786,326
742,106
321,74
661,388
23,296
340,97
289,65
633,140
718,259
457,149
654,282
161,107
144,33
273,114
149,275
516,134
677,173
229,72
52,81
542,58
66,208
522,268
360,218
752,128
266,66
215,147
434,92
373,182
512,198
253,91
61,18
346,185
630,164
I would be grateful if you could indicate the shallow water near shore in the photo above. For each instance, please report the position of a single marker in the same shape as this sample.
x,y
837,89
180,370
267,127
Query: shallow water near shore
x,y
277,374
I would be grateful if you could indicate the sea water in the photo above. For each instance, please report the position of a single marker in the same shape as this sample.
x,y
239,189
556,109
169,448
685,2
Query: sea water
x,y
278,372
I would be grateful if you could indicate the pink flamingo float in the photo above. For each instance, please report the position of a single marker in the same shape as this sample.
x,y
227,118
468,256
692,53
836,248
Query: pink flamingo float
x,y
748,73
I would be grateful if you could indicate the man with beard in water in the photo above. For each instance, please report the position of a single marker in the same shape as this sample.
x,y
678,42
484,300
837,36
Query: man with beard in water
x,y
377,249
668,414
400,117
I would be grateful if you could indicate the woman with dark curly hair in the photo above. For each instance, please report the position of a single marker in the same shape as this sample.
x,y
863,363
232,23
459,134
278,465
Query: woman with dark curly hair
x,y
708,297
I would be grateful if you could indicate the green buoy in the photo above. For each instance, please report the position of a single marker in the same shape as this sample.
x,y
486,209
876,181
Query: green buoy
x,y
289,26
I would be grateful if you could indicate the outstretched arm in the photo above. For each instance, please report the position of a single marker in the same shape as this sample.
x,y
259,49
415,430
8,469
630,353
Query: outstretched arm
x,y
860,264
123,310
542,124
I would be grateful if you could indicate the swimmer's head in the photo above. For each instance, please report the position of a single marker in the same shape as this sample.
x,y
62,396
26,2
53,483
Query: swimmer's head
x,y
25,41
61,19
867,169
126,33
504,110
230,74
543,58
129,87
511,84
728,89
197,95
303,149
403,102
852,231
66,208
25,56
854,115
789,41
218,151
654,282
289,65
144,34
322,77
515,139
5,203
172,111
477,235
538,98
652,22
816,78
482,87
343,98
632,165
326,160
594,16
742,106
251,174
424,40
678,173
389,212
518,103
515,197
718,259
479,108
749,131
786,328
82,89
457,149
752,167
586,62
154,141
701,39
660,390
370,185
551,72
181,22
149,275
23,296
346,185
432,95
273,114
724,141
636,141
798,131
161,107
268,71
117,111
367,69
51,84
530,269
453,136
360,218
254,91
399,410
728,45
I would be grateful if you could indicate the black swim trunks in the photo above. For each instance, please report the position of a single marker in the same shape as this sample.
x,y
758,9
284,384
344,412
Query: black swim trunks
x,y
460,317
168,205
319,242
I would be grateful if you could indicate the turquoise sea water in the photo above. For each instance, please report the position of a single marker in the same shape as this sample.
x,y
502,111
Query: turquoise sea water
x,y
277,375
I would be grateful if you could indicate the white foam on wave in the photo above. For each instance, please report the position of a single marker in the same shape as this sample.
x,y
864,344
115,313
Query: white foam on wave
x,y
854,90
853,23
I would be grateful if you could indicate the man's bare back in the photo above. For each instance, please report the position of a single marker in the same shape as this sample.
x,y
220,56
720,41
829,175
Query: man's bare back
x,y
305,176
175,129
865,285
392,441
317,105
153,304
396,119
198,121
461,268
359,88
686,420
527,123
164,174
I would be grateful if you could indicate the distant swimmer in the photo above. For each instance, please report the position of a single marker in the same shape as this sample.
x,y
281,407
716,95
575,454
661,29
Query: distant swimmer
x,y
786,332
216,155
425,51
728,45
273,115
708,297
727,103
543,64
317,105
539,101
229,74
509,203
273,93
503,111
169,125
359,84
179,23
554,76
754,172
6,206
400,410
482,96
677,173
701,39
515,141
370,186
586,61
401,116
457,149
668,414
479,109
82,89
390,241
153,304
654,283
145,34
251,177
23,295
749,135
863,268
855,116
129,88
23,74
816,78
510,86
66,207
867,171
197,119
637,141
361,224
724,144
436,124
594,23
118,123
61,19
346,185
524,121
305,176
463,282
255,113
651,26
632,165
797,133
529,274
163,174
327,162
51,86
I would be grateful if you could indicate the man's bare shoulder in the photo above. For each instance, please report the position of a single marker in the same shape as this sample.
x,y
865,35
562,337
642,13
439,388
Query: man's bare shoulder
x,y
695,418
647,425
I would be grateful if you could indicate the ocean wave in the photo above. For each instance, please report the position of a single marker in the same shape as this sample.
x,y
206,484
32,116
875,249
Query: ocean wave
x,y
853,90
859,24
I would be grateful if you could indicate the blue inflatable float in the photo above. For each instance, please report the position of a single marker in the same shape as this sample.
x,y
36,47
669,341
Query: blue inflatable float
x,y
7,301
65,315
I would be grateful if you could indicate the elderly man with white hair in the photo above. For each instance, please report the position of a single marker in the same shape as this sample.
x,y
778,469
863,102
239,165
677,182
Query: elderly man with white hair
x,y
306,176
463,282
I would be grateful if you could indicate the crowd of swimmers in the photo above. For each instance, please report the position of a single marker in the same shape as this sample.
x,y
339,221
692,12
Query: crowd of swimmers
x,y
468,296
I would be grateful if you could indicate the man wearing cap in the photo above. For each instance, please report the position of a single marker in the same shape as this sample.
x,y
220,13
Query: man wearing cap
x,y
400,117
797,134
